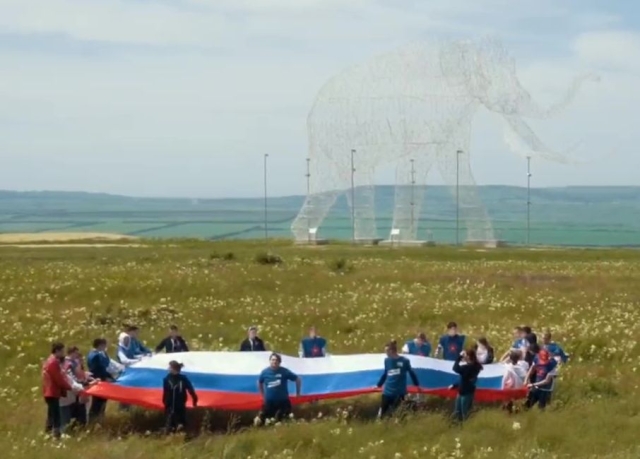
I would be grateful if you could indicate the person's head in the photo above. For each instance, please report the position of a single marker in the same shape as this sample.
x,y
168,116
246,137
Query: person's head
x,y
518,333
527,330
175,367
483,343
173,331
515,357
546,338
253,332
313,332
275,360
391,348
100,344
74,353
124,340
57,349
132,331
471,357
421,339
452,329
534,349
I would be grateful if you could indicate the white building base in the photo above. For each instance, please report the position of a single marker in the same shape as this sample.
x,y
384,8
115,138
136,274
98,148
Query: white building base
x,y
394,243
485,244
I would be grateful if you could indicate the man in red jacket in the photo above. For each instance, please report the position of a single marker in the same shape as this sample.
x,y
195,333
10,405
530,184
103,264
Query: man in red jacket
x,y
54,386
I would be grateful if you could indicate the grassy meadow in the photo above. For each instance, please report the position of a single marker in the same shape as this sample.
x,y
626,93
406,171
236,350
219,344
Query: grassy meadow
x,y
359,298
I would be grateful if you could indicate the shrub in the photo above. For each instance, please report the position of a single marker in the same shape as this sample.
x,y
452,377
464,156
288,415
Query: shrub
x,y
228,256
265,258
341,265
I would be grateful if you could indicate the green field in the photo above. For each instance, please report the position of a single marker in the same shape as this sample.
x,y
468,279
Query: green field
x,y
589,299
573,216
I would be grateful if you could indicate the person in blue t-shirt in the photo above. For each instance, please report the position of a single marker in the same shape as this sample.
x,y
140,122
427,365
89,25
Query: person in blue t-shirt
x,y
394,380
273,387
451,345
554,348
418,346
520,344
540,380
98,365
313,345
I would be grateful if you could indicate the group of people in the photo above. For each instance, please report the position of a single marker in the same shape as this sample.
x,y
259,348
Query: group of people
x,y
65,377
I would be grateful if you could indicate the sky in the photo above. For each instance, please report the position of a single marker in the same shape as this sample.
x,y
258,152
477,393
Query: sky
x,y
184,97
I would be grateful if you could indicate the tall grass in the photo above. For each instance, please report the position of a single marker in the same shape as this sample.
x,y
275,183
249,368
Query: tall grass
x,y
590,299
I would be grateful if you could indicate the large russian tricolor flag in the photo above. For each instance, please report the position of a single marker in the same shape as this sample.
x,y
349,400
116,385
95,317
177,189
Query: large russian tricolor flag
x,y
228,380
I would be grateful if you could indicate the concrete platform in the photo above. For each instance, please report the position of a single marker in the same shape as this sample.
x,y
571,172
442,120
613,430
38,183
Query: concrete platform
x,y
485,244
391,243
312,242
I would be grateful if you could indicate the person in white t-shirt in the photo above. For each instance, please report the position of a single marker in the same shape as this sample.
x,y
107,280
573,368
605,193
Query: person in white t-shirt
x,y
515,376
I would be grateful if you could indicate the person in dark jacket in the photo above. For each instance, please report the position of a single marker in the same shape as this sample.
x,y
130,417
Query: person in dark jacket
x,y
176,386
173,343
98,365
253,343
54,386
312,346
467,385
394,380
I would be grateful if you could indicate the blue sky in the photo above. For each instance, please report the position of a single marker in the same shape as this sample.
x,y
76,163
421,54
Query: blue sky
x,y
183,97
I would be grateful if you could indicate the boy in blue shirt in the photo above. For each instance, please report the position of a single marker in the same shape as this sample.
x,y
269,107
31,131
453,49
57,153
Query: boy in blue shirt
x,y
520,344
273,388
451,344
418,346
137,348
98,365
554,348
313,346
394,379
541,380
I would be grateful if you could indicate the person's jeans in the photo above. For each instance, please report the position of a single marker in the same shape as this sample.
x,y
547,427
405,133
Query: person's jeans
x,y
53,424
275,410
96,411
389,404
462,407
176,418
65,416
539,396
79,413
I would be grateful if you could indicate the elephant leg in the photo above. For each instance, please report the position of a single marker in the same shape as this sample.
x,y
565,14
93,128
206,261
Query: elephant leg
x,y
409,193
362,204
456,169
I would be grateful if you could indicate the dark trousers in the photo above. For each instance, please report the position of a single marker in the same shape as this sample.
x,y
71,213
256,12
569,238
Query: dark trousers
x,y
54,422
537,396
174,418
389,404
75,412
97,408
462,407
275,410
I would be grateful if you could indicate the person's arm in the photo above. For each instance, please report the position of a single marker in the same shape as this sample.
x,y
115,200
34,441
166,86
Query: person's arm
x,y
527,379
298,386
124,360
382,379
428,350
243,346
324,347
414,377
439,348
405,349
166,395
261,345
191,391
301,350
162,345
490,356
184,344
563,357
456,365
145,350
261,385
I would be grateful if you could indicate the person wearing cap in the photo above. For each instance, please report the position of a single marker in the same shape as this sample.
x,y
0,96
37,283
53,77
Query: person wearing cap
x,y
273,387
394,380
540,380
253,343
312,346
176,387
173,343
451,344
418,346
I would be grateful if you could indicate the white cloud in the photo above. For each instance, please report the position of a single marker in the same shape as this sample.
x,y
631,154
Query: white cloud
x,y
616,49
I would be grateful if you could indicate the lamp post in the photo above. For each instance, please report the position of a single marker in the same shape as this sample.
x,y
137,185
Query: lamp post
x,y
413,183
458,153
528,200
266,225
353,200
308,194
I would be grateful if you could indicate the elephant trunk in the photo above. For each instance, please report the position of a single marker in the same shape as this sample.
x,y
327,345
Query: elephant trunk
x,y
528,108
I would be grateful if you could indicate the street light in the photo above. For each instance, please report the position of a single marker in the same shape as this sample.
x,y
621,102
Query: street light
x,y
528,200
266,225
458,153
353,200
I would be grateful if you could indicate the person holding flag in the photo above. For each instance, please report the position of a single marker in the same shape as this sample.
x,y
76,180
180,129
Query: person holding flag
x,y
452,344
418,346
394,380
273,388
312,346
